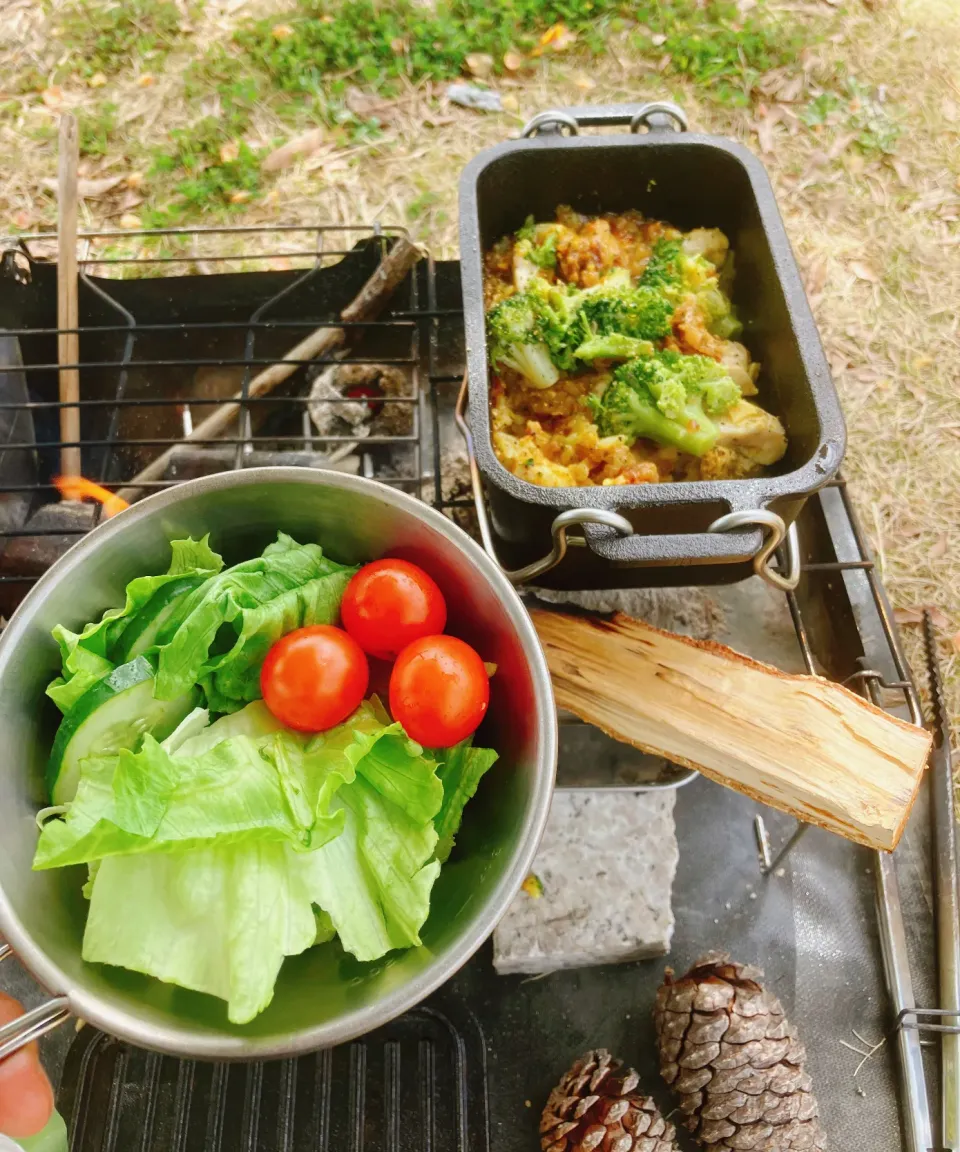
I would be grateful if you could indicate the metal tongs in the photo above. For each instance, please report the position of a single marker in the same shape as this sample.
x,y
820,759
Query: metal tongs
x,y
948,904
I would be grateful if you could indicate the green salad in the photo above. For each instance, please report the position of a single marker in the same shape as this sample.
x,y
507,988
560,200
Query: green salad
x,y
218,840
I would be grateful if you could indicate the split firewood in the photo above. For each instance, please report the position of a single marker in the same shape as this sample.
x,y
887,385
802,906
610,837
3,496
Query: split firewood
x,y
366,305
798,743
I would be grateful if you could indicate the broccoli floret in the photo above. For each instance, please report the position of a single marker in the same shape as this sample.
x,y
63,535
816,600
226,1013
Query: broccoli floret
x,y
663,271
617,307
721,319
544,254
675,273
615,346
705,378
528,230
537,243
668,398
516,328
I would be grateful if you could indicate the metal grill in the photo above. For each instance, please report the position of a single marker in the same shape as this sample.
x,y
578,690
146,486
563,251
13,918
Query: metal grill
x,y
158,353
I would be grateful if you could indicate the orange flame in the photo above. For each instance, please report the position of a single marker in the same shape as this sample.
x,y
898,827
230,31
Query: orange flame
x,y
80,488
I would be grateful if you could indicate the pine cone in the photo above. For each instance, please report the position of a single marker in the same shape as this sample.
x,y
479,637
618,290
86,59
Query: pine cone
x,y
730,1053
594,1109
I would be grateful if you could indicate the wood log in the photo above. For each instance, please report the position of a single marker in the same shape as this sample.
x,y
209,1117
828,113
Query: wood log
x,y
68,313
798,743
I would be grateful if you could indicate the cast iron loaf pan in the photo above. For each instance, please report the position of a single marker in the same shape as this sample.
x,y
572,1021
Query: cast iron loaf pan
x,y
691,181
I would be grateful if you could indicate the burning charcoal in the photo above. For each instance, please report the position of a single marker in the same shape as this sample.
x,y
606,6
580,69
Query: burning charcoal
x,y
332,415
329,412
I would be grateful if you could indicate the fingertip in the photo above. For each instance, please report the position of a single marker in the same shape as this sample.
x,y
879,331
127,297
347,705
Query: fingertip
x,y
26,1096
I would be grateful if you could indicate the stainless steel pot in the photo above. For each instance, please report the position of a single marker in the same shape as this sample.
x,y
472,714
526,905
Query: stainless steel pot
x,y
322,998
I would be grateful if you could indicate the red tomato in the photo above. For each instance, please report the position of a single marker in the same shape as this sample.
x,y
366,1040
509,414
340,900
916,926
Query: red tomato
x,y
313,678
439,690
389,604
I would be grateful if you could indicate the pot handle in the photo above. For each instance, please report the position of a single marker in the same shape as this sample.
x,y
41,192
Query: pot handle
x,y
750,534
575,517
655,115
33,1024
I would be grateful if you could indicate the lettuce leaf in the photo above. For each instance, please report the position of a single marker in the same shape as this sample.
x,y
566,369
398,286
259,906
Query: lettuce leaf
x,y
374,879
218,919
86,655
277,789
242,777
253,604
461,770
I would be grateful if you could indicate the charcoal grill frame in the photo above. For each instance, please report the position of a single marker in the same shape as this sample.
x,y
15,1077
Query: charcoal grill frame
x,y
429,322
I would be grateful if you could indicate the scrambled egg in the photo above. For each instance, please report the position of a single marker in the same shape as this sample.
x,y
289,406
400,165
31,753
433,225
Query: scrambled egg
x,y
547,436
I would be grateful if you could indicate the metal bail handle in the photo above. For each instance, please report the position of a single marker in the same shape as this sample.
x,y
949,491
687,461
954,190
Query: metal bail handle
x,y
655,115
777,534
561,523
33,1024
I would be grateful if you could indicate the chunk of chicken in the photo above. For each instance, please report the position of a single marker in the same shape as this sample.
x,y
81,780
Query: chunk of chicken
x,y
736,359
725,464
753,433
710,243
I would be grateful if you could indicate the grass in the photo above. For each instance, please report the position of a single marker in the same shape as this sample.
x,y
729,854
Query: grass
x,y
104,38
710,42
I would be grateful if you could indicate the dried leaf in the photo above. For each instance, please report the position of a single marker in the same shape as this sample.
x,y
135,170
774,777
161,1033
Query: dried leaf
x,y
241,196
89,189
902,169
129,200
864,272
97,80
513,61
135,180
558,38
584,82
229,152
147,80
914,615
398,46
53,97
840,145
303,145
939,549
658,39
950,109
479,64
510,103
955,641
128,220
765,130
281,32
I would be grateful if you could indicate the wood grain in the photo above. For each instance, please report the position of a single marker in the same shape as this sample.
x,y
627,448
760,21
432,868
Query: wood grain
x,y
798,743
68,342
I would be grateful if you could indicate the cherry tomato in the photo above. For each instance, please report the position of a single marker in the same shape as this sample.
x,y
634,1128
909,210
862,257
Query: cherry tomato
x,y
389,604
439,690
313,678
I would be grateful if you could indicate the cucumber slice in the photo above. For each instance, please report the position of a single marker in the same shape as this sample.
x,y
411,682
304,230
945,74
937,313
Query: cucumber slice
x,y
142,631
111,715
